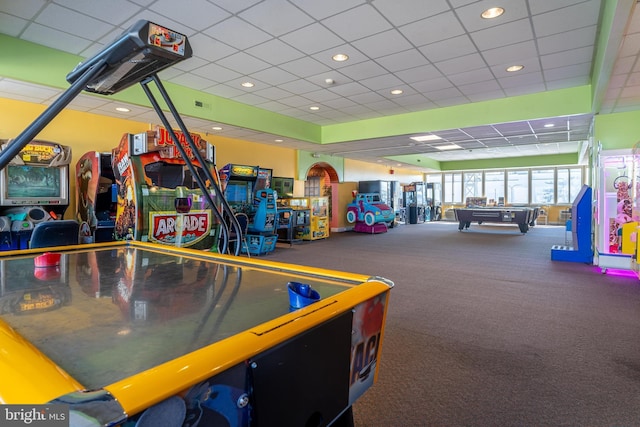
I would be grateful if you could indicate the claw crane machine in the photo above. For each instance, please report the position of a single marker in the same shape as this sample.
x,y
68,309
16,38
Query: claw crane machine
x,y
635,206
615,223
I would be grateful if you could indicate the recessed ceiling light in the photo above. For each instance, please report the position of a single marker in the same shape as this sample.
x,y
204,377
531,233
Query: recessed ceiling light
x,y
278,140
549,125
396,92
340,57
216,128
122,109
448,147
514,68
314,108
423,138
493,12
247,84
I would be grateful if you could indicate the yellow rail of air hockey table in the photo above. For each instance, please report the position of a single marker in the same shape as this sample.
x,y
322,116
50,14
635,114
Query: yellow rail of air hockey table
x,y
130,332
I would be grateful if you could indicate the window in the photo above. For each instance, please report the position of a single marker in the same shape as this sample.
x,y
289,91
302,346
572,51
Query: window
x,y
569,183
312,187
494,186
453,187
518,187
542,185
473,184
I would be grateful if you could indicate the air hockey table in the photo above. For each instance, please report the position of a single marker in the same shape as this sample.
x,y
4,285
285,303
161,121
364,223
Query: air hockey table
x,y
139,334
522,217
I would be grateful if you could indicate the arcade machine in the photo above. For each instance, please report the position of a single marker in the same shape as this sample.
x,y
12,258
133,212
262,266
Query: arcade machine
x,y
158,200
434,201
285,223
34,187
247,189
614,223
319,219
300,216
415,203
581,249
96,197
389,192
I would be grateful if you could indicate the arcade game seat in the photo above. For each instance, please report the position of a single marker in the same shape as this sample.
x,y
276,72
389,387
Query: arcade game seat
x,y
55,233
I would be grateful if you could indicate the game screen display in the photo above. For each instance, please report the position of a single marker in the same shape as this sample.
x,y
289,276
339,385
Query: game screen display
x,y
32,181
237,192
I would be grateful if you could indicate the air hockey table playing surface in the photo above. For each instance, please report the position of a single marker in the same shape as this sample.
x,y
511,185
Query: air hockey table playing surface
x,y
522,217
132,325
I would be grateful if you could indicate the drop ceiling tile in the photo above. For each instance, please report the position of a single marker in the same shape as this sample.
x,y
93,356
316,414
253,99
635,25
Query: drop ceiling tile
x,y
382,44
24,9
274,76
242,61
11,25
312,38
272,93
402,60
443,94
567,40
208,48
357,23
300,86
630,45
472,21
466,63
190,64
401,12
296,101
520,80
481,87
216,73
224,91
237,33
569,82
562,59
427,86
382,82
474,76
513,53
305,67
193,81
579,15
503,35
251,99
322,95
49,37
449,48
433,29
348,89
208,13
363,70
568,71
531,65
481,131
275,52
86,27
323,9
419,74
276,17
235,6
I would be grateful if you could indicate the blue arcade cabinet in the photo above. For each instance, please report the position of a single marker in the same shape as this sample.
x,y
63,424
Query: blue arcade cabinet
x,y
581,227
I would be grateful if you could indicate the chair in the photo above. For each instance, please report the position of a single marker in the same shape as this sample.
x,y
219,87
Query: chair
x,y
55,233
243,220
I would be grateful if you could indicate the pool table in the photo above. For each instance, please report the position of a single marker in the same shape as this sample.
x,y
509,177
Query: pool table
x,y
522,217
133,333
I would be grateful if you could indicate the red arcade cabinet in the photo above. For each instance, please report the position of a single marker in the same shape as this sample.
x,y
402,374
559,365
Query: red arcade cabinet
x,y
34,187
158,199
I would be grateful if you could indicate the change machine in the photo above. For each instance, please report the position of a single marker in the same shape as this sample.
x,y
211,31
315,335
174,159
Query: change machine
x,y
96,197
34,187
158,200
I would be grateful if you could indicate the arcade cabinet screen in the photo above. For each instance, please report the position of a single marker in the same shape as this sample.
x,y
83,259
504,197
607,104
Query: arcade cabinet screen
x,y
32,181
165,175
237,192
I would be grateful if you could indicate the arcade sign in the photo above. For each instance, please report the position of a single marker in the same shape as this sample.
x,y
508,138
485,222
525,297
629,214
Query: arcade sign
x,y
165,226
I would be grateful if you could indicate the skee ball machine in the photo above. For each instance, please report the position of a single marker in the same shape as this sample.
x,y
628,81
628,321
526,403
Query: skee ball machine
x,y
34,187
263,360
158,199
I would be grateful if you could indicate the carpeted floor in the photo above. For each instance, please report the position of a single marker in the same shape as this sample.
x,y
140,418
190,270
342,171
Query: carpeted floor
x,y
483,329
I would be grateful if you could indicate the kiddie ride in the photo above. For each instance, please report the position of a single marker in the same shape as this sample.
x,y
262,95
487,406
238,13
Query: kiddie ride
x,y
369,213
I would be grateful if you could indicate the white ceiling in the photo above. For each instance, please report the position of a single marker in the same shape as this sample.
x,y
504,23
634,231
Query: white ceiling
x,y
439,52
